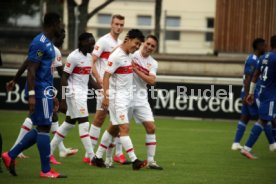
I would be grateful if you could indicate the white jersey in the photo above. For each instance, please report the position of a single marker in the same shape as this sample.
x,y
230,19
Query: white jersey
x,y
121,80
79,68
58,58
103,48
149,67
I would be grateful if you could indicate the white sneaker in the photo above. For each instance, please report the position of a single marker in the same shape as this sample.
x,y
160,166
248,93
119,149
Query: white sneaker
x,y
272,147
109,163
236,146
68,152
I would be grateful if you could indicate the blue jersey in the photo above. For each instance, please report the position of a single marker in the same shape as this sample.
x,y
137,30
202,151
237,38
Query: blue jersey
x,y
41,51
251,64
267,66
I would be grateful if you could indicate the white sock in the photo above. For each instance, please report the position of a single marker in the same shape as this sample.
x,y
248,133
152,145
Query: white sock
x,y
85,139
105,142
54,128
110,150
60,135
247,148
128,146
25,128
151,146
119,146
94,134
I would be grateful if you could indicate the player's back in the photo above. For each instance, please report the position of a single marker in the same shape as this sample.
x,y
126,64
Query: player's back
x,y
42,51
267,67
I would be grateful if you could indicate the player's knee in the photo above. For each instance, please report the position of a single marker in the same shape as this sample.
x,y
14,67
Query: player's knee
x,y
124,129
150,128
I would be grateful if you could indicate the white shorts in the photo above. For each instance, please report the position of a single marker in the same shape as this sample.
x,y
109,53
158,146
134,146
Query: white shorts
x,y
141,113
99,101
76,107
119,112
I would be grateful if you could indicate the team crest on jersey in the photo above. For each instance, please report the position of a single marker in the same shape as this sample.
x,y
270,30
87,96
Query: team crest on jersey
x,y
110,63
97,47
39,53
122,117
148,65
68,65
82,110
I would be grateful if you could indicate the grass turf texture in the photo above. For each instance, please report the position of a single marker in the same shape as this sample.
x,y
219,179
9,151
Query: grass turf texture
x,y
191,151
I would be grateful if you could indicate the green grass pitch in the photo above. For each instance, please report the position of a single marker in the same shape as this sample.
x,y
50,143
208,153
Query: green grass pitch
x,y
191,151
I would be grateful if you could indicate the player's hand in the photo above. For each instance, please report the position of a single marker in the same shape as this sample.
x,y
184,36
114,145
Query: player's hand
x,y
105,103
63,106
250,99
134,67
10,85
56,105
31,104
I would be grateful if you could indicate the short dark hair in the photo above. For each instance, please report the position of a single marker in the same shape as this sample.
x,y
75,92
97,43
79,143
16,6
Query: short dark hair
x,y
118,16
273,41
152,37
135,33
257,42
51,19
84,36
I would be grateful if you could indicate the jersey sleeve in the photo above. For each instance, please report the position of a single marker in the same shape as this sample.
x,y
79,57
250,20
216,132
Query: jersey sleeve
x,y
58,58
99,48
153,69
36,52
250,66
113,64
70,64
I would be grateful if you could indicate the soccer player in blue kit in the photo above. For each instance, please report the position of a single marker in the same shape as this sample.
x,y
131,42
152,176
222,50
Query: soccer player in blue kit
x,y
249,111
267,71
39,79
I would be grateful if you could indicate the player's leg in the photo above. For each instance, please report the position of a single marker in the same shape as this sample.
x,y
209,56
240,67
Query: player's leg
x,y
245,117
25,128
63,151
106,140
84,135
60,134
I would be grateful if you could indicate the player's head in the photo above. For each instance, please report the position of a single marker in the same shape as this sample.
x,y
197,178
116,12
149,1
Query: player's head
x,y
273,42
52,22
86,42
58,41
259,45
117,24
133,40
150,45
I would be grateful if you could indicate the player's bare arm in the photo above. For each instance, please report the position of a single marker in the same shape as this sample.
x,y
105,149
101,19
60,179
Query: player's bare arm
x,y
64,84
10,85
93,84
106,90
95,73
32,68
149,79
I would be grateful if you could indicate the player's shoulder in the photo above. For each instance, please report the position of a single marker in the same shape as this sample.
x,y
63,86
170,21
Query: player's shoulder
x,y
57,51
74,54
40,40
116,54
104,39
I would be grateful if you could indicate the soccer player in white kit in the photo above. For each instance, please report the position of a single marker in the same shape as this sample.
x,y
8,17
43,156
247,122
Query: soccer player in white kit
x,y
145,68
103,48
75,81
117,90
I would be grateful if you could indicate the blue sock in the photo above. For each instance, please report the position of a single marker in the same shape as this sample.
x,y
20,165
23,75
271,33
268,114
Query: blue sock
x,y
27,141
240,131
274,133
43,145
268,133
254,134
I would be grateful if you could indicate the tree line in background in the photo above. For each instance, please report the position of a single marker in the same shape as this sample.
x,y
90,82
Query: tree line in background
x,y
15,8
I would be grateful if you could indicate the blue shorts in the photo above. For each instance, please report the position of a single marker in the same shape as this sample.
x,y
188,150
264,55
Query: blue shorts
x,y
43,111
267,110
250,110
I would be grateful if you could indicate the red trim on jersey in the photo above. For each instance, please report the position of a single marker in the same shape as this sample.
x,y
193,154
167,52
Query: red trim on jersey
x,y
151,143
25,128
105,55
83,136
124,70
94,138
142,69
129,150
82,70
62,136
103,146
